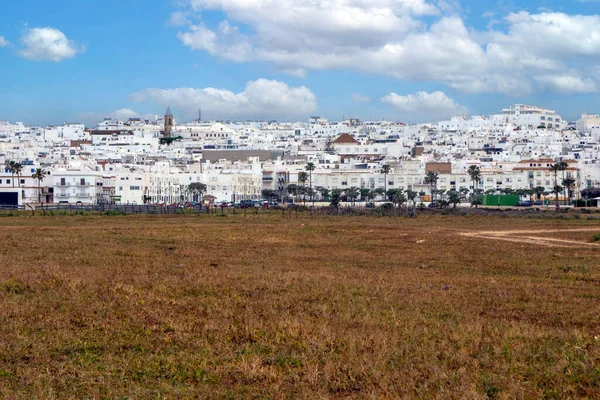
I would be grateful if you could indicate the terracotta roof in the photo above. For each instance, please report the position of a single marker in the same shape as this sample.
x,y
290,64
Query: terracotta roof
x,y
345,139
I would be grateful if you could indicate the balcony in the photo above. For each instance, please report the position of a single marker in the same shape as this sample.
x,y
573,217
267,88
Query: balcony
x,y
83,194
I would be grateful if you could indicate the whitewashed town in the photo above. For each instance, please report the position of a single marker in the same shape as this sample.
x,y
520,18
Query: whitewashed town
x,y
522,150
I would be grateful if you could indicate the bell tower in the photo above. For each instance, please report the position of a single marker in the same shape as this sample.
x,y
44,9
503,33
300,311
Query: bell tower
x,y
168,123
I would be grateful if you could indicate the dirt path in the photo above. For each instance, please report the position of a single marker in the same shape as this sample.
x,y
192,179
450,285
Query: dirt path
x,y
523,236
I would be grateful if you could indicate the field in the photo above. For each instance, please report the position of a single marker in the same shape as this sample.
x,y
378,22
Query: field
x,y
170,307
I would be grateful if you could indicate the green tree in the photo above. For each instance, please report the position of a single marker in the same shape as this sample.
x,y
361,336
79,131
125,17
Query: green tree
x,y
555,168
364,194
9,168
431,178
310,167
198,189
397,197
453,197
563,167
352,194
385,170
568,183
336,195
324,192
411,195
303,178
475,175
39,174
18,167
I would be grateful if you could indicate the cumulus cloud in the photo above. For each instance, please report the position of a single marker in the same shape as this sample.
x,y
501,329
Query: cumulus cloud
x,y
48,44
3,42
360,98
268,98
422,104
416,40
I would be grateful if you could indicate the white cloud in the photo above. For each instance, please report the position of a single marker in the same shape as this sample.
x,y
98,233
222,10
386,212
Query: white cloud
x,y
360,98
415,40
3,42
567,83
422,104
268,98
48,44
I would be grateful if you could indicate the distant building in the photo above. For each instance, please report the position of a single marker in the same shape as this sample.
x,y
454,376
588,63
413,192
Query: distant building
x,y
168,123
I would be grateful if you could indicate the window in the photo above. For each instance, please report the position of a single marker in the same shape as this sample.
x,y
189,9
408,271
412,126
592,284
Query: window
x,y
134,188
22,181
82,181
63,181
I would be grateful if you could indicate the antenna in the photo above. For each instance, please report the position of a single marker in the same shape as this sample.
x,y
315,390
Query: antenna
x,y
200,115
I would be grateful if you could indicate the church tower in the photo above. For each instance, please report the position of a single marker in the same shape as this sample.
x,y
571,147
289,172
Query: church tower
x,y
168,123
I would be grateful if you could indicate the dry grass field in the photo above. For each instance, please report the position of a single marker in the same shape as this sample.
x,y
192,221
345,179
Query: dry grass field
x,y
173,307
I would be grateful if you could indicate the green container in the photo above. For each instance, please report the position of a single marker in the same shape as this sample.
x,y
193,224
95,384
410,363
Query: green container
x,y
506,200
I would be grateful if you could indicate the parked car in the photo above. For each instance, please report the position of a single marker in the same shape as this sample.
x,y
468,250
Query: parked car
x,y
250,204
525,203
293,206
370,205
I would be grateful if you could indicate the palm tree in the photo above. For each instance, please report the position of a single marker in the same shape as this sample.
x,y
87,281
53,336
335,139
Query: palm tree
x,y
364,194
475,175
10,167
302,178
310,167
568,183
39,174
453,197
555,168
17,168
431,178
412,196
563,167
385,170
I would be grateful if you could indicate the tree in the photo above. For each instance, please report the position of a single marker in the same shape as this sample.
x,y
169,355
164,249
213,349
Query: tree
x,y
18,168
198,189
569,183
329,147
310,167
364,194
539,191
39,174
563,167
336,195
432,178
269,194
412,196
453,197
292,190
555,168
324,192
9,167
475,175
353,194
557,189
303,178
385,170
397,197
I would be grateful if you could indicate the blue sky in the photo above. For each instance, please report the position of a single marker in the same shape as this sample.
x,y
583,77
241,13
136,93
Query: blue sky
x,y
238,60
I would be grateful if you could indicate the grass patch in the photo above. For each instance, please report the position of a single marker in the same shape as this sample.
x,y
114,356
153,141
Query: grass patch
x,y
185,306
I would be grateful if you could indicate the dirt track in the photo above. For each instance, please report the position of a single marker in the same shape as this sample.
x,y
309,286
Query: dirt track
x,y
524,236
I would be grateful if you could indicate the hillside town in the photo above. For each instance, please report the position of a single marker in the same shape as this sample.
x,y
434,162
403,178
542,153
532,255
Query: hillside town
x,y
160,161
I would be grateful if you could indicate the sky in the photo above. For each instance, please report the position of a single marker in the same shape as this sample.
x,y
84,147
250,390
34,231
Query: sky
x,y
286,60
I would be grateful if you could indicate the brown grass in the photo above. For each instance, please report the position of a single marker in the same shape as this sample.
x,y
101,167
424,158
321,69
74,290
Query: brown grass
x,y
259,307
